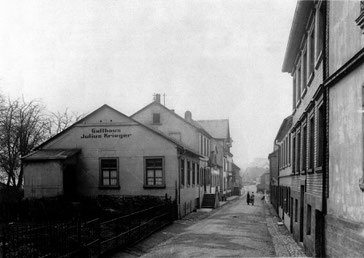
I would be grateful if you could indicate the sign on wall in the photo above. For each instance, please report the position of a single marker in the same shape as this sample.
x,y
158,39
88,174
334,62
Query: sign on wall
x,y
99,133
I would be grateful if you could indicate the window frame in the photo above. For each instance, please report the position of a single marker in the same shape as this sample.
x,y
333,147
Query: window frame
x,y
146,185
188,183
320,132
298,151
311,53
311,145
298,83
154,115
101,174
304,71
304,148
182,173
318,32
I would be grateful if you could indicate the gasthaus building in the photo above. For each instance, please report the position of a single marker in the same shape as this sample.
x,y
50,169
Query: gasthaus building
x,y
107,153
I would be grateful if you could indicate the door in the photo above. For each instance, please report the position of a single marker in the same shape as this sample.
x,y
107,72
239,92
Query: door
x,y
302,202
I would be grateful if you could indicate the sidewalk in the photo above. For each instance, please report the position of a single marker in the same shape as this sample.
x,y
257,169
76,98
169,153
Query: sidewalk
x,y
283,241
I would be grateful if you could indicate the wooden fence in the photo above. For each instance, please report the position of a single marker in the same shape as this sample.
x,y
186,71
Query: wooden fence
x,y
89,239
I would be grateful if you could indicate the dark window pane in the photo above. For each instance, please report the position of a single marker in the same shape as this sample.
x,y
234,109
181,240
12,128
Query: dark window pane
x,y
108,163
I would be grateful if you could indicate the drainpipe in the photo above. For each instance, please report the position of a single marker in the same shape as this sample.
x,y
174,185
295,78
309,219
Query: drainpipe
x,y
325,124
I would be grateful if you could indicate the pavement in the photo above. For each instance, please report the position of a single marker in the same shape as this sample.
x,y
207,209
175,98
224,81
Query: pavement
x,y
232,230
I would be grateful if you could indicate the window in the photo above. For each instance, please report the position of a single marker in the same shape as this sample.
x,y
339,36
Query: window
x,y
311,52
154,172
289,149
109,176
304,71
294,91
319,24
198,174
295,210
320,136
156,118
182,172
193,173
294,155
298,85
308,223
304,148
205,146
201,145
312,142
188,173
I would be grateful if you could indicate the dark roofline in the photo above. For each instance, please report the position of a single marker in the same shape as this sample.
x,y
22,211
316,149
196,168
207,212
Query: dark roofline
x,y
298,28
107,106
285,121
175,114
214,120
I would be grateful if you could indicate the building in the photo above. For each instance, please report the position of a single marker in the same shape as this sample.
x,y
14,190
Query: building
x,y
273,174
192,134
285,201
305,61
109,153
345,83
220,131
237,182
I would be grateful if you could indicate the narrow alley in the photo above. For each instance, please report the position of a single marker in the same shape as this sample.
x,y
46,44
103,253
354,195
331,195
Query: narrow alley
x,y
234,230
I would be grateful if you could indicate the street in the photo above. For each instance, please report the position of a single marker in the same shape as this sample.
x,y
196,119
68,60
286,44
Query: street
x,y
233,230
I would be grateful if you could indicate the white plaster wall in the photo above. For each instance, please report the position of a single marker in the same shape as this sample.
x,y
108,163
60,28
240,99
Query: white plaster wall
x,y
130,151
346,200
170,124
346,38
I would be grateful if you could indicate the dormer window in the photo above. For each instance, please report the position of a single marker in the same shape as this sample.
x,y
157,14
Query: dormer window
x,y
156,118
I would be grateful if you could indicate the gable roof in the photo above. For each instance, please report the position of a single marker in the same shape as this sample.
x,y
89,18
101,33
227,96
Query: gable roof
x,y
179,144
298,27
193,123
284,129
219,128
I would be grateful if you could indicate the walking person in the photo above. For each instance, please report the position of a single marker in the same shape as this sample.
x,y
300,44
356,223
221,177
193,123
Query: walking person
x,y
247,198
252,198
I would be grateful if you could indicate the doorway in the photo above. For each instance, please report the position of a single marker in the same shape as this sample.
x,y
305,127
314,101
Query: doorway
x,y
302,202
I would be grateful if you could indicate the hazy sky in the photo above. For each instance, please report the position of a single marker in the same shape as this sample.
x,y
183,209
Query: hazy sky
x,y
218,59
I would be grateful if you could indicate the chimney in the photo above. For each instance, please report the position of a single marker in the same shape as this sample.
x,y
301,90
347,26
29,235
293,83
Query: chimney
x,y
158,98
188,116
172,110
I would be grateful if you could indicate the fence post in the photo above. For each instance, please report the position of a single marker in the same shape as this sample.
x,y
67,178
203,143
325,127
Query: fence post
x,y
79,232
98,226
4,242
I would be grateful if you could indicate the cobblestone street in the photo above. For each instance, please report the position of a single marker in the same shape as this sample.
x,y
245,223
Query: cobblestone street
x,y
233,230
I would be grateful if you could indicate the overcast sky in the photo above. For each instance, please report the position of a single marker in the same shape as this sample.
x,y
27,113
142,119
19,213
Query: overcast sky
x,y
217,59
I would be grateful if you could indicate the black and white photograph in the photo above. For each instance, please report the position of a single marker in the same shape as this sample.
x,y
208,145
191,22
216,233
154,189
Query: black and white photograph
x,y
181,128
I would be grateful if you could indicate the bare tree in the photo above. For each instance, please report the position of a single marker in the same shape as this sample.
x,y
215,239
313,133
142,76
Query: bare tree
x,y
57,121
23,126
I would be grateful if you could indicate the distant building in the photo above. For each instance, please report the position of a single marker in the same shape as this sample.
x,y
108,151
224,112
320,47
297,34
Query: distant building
x,y
109,153
273,173
220,131
285,201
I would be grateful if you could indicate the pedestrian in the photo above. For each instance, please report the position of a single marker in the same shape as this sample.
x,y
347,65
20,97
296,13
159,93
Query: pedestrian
x,y
252,198
248,198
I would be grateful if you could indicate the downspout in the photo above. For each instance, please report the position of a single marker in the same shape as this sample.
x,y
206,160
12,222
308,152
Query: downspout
x,y
326,126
